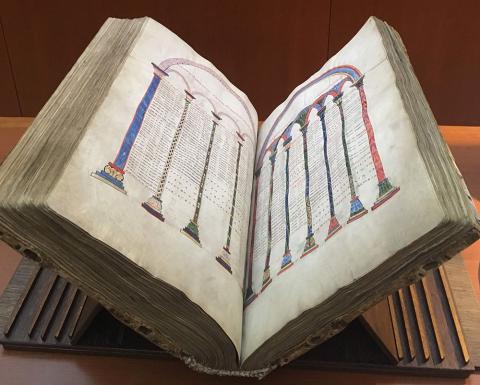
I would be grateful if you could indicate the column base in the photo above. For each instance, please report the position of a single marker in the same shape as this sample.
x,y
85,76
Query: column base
x,y
356,209
286,262
386,191
154,206
333,227
266,279
191,231
112,176
250,296
310,245
224,259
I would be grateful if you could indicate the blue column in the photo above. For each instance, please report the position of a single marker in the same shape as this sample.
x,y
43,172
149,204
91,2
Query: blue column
x,y
113,173
334,226
287,256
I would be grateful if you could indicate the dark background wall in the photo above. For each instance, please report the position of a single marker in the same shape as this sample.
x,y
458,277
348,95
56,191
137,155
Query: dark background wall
x,y
261,46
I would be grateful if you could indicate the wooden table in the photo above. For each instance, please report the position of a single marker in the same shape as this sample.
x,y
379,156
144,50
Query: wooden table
x,y
55,368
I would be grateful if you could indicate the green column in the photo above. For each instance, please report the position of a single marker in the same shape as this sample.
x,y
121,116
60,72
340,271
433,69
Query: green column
x,y
224,257
191,230
266,271
356,207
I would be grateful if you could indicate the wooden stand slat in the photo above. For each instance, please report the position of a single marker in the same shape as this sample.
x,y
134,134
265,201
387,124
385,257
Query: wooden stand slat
x,y
454,314
433,319
53,315
420,322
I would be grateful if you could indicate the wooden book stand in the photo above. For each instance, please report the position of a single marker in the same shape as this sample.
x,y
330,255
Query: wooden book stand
x,y
417,330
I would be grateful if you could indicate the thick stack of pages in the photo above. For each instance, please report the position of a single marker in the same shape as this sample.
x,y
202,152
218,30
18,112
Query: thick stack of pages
x,y
143,181
457,230
29,175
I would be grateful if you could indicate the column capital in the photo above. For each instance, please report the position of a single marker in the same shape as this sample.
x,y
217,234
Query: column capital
x,y
188,96
321,112
216,117
240,137
158,71
304,128
273,156
359,82
286,142
338,99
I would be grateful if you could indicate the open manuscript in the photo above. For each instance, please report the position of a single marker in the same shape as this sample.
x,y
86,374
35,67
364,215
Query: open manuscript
x,y
146,181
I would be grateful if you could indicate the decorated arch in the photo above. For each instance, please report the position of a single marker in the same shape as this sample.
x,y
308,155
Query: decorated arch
x,y
348,76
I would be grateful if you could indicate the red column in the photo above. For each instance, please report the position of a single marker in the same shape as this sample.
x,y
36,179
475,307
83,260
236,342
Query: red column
x,y
386,189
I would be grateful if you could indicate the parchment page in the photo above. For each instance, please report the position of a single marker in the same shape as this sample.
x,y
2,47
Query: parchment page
x,y
163,174
340,187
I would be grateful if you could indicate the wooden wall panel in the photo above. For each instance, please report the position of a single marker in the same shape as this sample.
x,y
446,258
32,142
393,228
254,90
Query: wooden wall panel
x,y
266,48
442,38
8,95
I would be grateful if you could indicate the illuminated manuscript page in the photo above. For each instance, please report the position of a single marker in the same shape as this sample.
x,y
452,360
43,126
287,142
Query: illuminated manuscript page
x,y
163,174
344,217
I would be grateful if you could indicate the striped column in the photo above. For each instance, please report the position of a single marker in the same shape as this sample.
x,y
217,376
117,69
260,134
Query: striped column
x,y
385,189
191,230
356,207
310,244
224,257
154,204
114,172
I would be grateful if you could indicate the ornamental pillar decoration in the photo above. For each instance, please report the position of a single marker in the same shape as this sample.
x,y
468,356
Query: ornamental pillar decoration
x,y
154,204
224,257
333,226
114,172
266,271
249,294
356,207
386,189
310,244
287,256
191,230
